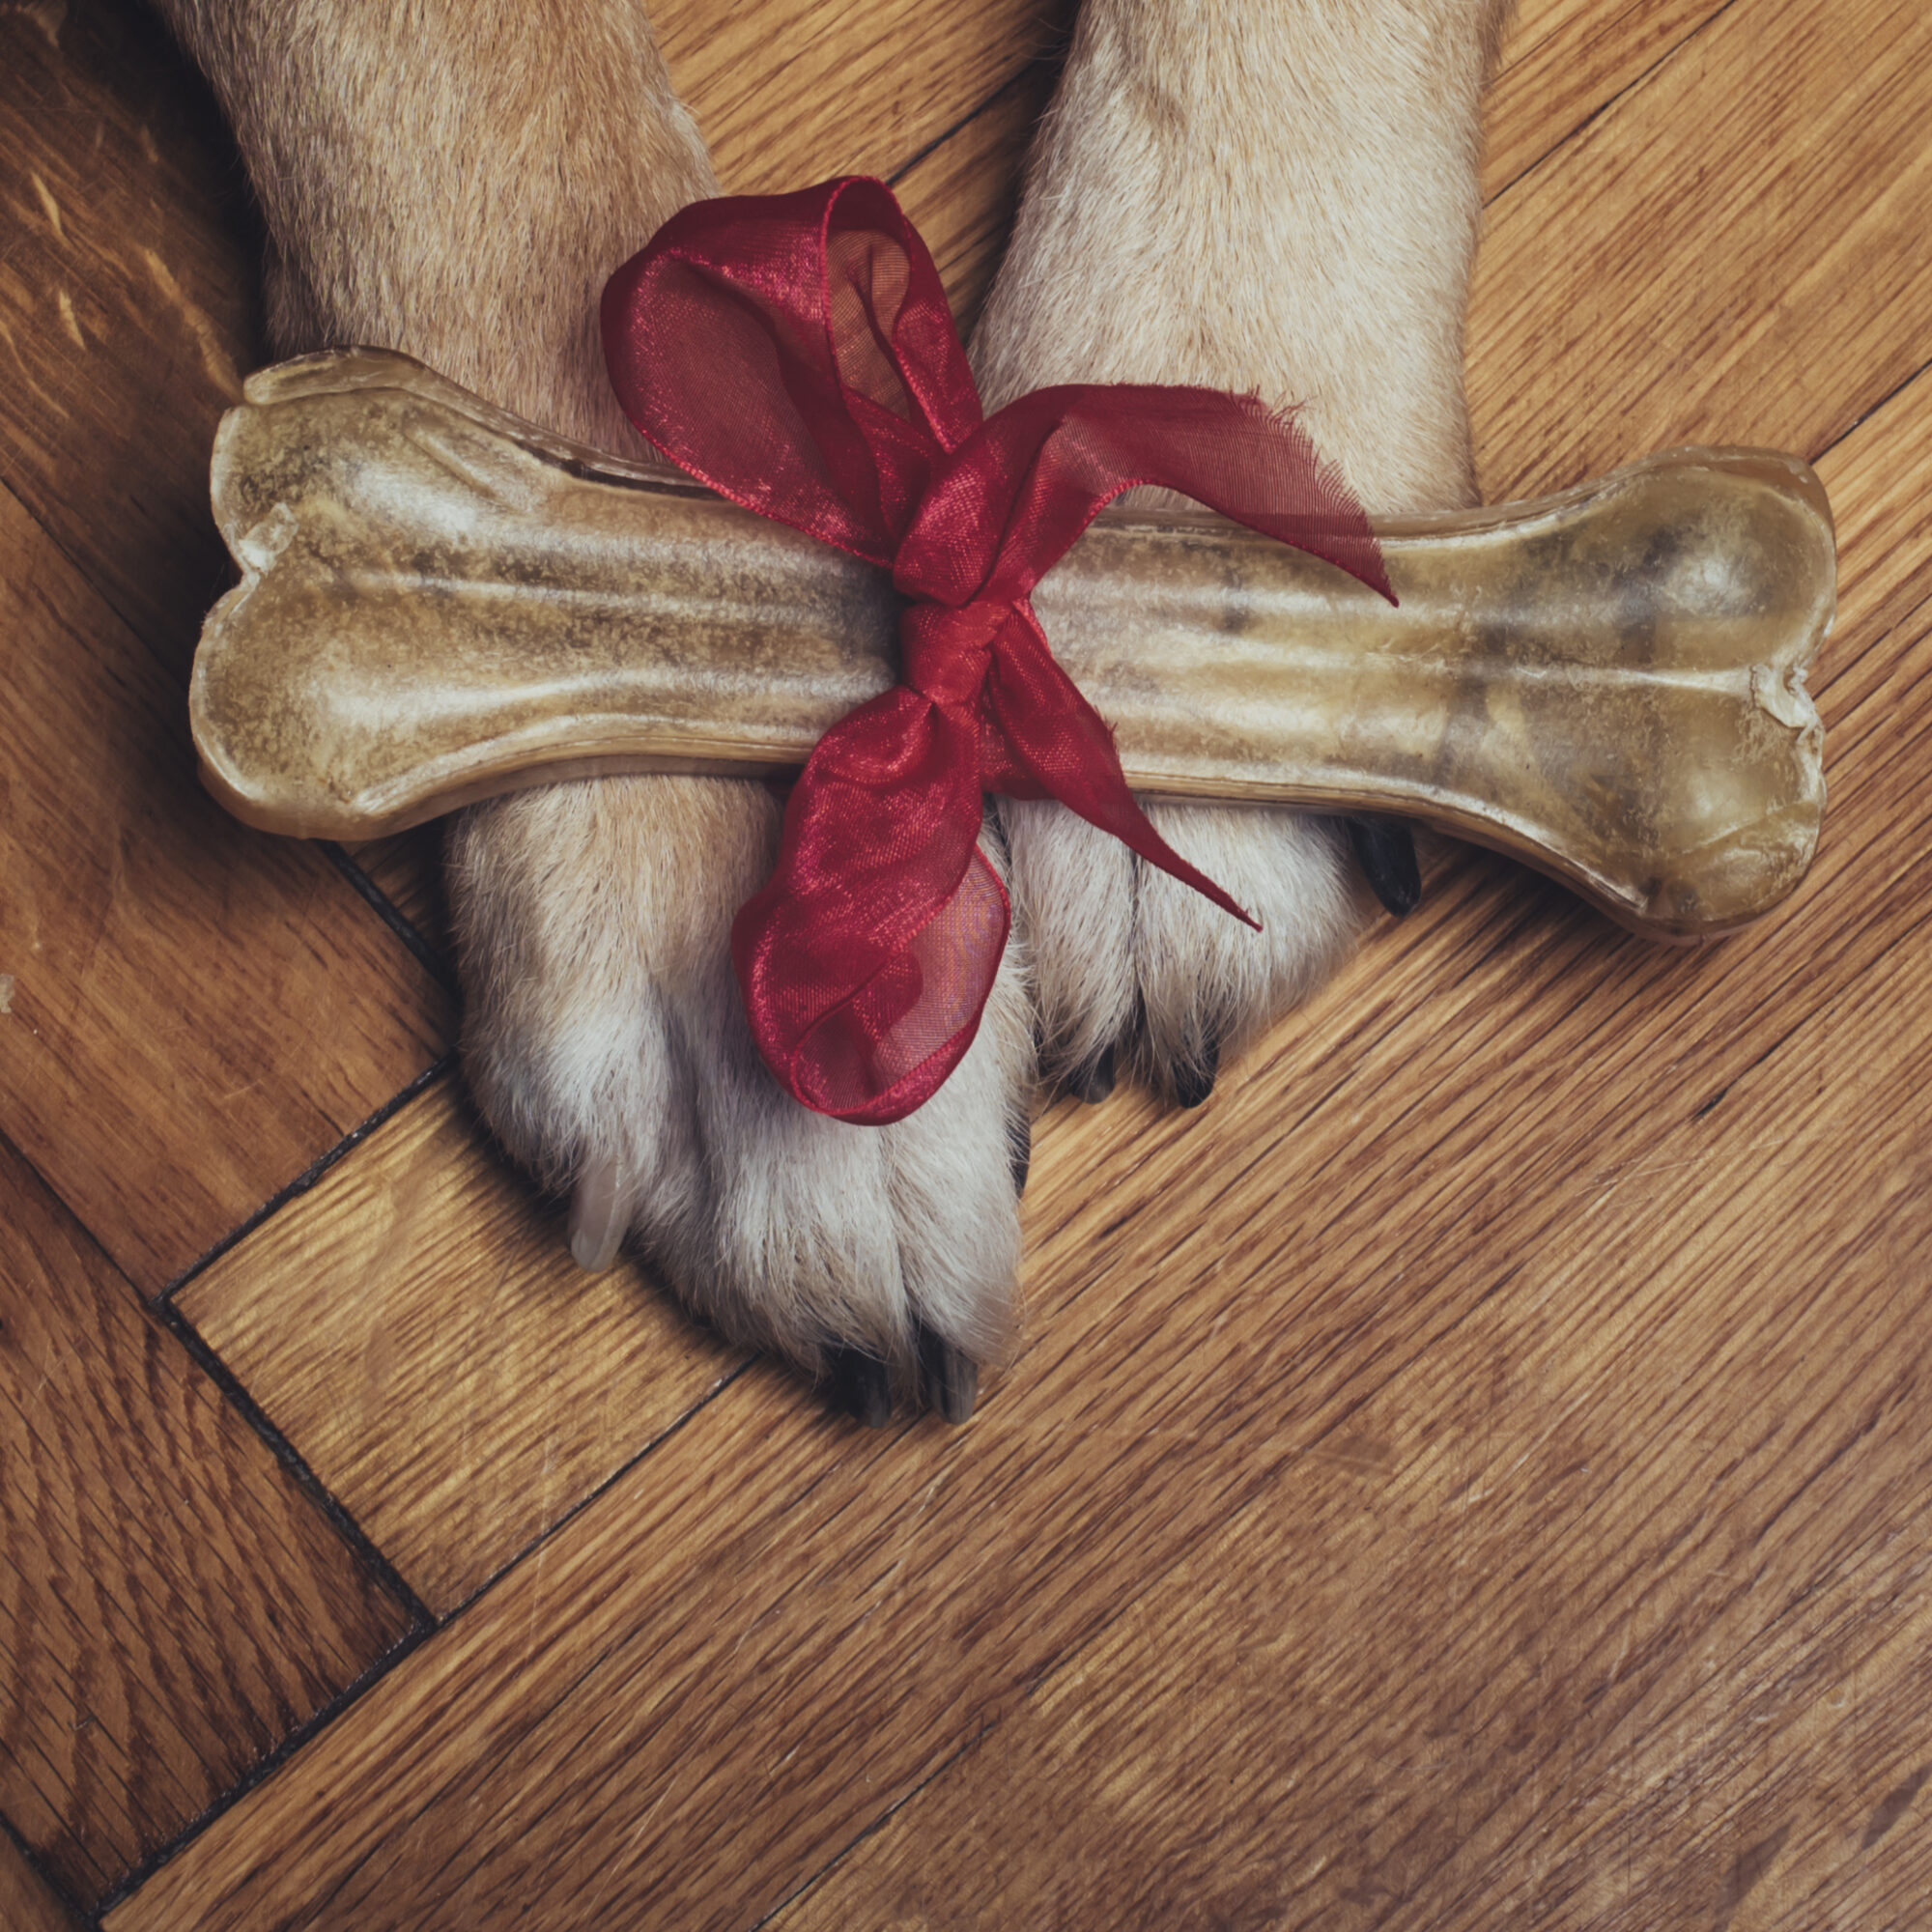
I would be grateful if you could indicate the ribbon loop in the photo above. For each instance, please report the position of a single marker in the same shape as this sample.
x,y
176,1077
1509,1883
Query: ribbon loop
x,y
796,353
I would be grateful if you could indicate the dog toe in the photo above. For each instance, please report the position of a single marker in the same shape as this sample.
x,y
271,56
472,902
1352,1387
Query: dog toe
x,y
1207,984
608,1047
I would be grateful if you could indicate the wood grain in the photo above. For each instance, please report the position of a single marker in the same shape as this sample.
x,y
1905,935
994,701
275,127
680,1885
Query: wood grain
x,y
406,870
196,1013
172,1605
792,92
27,1902
453,1379
1733,252
1561,61
126,306
1484,1517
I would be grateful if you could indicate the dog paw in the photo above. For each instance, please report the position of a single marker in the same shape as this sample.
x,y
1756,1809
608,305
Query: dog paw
x,y
1133,971
609,1051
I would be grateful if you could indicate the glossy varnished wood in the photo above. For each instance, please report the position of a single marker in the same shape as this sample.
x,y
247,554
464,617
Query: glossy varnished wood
x,y
1468,1473
189,1021
127,304
172,1605
196,1016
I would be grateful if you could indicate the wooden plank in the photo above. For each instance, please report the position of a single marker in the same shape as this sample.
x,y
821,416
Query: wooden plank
x,y
1561,60
127,305
1539,1630
27,1902
172,1607
871,1643
815,1590
1604,1647
1620,1690
450,1374
1734,253
792,92
195,1012
1711,1610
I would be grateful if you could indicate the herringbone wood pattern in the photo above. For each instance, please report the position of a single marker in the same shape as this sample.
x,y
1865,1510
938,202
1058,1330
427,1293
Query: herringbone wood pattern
x,y
1470,1473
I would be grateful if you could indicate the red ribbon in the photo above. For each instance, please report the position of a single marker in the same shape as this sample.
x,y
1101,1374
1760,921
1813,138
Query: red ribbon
x,y
796,353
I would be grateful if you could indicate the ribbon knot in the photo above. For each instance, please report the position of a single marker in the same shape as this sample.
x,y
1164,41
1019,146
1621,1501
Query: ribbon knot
x,y
796,353
947,654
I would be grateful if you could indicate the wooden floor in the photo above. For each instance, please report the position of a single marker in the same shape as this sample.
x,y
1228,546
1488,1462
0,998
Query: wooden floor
x,y
1473,1472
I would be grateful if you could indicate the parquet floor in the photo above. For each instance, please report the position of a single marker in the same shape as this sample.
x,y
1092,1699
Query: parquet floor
x,y
1471,1473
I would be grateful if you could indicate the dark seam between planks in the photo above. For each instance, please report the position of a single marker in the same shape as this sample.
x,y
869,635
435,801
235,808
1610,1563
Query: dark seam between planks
x,y
32,1859
427,957
137,1876
424,1623
308,1176
364,1551
1853,427
360,1542
517,1558
397,1655
987,1726
1051,56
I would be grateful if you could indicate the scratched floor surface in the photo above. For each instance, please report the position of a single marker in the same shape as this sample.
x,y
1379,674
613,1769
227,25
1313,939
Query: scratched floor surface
x,y
1470,1473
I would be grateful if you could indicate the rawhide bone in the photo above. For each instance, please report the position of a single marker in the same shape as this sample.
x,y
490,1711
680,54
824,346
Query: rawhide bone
x,y
439,601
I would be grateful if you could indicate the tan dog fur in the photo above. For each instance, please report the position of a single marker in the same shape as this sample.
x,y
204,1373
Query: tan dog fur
x,y
1278,197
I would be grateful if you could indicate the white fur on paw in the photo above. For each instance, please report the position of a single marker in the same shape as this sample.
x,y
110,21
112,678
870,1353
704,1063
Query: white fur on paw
x,y
1124,957
1208,982
1073,900
608,1048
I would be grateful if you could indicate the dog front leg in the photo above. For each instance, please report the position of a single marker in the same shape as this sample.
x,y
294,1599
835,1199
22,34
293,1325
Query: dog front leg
x,y
1279,199
457,180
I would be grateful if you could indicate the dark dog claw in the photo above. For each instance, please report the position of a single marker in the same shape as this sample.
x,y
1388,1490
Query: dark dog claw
x,y
1385,850
857,1385
1019,1137
1094,1081
1194,1077
949,1380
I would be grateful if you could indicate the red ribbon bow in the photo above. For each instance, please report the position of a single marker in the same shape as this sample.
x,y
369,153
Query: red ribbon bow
x,y
796,353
